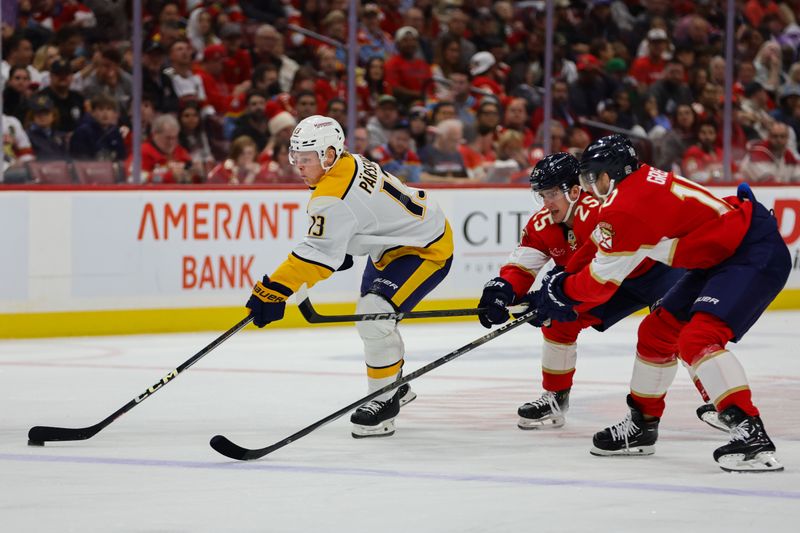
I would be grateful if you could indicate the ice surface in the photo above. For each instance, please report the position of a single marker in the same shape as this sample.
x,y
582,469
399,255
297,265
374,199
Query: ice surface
x,y
456,463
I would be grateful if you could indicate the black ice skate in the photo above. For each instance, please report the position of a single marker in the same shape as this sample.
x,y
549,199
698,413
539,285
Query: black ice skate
x,y
632,436
750,448
708,414
376,418
407,395
545,412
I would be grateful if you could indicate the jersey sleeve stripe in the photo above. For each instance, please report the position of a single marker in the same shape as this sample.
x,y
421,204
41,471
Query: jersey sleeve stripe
x,y
316,263
297,270
529,259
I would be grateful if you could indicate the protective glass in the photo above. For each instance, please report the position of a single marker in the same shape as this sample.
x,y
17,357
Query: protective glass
x,y
303,158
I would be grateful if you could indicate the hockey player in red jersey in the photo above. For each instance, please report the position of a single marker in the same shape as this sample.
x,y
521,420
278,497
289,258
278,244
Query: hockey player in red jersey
x,y
556,232
738,263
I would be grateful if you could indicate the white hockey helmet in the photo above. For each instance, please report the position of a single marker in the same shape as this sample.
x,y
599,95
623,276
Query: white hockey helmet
x,y
317,133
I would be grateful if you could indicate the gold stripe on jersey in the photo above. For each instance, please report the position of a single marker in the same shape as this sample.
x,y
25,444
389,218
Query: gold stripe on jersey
x,y
420,275
296,270
336,182
384,371
524,269
728,392
440,249
557,372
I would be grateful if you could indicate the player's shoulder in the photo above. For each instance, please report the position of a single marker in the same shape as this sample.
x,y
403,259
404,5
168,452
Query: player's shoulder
x,y
338,180
541,222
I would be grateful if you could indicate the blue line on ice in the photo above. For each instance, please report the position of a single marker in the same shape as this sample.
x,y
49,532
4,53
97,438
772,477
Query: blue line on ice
x,y
480,478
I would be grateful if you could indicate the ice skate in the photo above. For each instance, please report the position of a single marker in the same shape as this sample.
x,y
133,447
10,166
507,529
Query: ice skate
x,y
750,448
708,414
376,418
407,395
632,436
545,412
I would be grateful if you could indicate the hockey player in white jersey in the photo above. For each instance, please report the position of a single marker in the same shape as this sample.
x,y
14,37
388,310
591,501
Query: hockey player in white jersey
x,y
358,209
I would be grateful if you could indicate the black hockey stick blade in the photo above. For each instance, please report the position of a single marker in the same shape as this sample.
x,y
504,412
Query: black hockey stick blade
x,y
313,317
229,449
38,435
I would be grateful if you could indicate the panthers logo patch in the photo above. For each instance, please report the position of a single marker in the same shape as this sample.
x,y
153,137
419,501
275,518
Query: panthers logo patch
x,y
604,235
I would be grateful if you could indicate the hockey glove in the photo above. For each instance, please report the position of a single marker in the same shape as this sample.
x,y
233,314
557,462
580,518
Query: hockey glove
x,y
268,302
550,301
497,294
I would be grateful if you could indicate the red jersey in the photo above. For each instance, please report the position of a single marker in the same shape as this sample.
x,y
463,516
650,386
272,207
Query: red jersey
x,y
409,74
155,163
646,71
658,215
543,239
237,68
217,93
701,166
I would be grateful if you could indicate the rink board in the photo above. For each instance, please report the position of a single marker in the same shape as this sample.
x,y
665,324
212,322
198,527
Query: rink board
x,y
110,261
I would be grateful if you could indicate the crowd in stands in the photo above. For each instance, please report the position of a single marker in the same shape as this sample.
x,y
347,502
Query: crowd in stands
x,y
447,90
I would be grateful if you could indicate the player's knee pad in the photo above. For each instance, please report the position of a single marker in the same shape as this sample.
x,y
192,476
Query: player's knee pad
x,y
658,336
382,342
703,334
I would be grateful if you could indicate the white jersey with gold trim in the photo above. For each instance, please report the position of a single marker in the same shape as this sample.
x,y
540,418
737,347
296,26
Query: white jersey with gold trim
x,y
359,209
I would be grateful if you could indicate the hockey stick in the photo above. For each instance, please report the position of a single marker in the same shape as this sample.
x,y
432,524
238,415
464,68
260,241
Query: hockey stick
x,y
38,435
312,316
234,451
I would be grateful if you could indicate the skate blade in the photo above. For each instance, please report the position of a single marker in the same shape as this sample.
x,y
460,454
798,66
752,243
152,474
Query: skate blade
x,y
712,419
633,451
762,462
409,397
384,429
542,423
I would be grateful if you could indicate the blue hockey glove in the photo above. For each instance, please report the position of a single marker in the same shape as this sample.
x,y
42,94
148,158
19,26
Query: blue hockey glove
x,y
744,191
550,301
268,302
497,294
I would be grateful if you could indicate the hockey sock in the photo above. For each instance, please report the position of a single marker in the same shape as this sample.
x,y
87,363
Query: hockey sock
x,y
649,383
558,365
702,345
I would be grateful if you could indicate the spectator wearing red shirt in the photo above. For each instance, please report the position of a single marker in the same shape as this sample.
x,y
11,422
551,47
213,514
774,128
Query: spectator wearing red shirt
x,y
482,68
755,10
702,161
240,168
390,17
516,118
329,83
210,72
771,160
406,73
647,70
371,87
237,66
164,160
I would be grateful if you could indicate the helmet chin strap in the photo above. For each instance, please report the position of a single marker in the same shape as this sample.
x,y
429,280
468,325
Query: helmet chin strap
x,y
603,196
571,205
